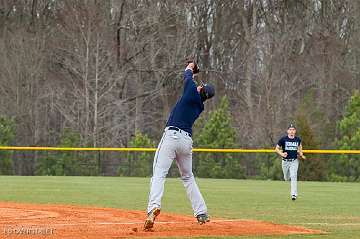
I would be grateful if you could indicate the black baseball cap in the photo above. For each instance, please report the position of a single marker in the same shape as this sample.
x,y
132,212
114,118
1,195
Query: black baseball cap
x,y
291,126
209,90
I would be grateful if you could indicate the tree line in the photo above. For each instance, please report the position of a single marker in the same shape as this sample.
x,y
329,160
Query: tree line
x,y
98,73
217,132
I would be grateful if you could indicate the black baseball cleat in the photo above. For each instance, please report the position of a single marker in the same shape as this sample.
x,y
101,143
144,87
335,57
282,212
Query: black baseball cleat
x,y
293,197
202,218
149,222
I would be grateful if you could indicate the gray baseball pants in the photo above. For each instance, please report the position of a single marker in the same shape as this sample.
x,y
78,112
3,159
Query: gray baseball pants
x,y
175,145
290,173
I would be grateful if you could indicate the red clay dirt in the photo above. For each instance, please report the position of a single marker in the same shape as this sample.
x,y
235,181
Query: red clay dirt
x,y
30,221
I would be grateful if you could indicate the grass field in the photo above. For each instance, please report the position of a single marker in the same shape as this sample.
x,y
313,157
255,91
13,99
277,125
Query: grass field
x,y
331,207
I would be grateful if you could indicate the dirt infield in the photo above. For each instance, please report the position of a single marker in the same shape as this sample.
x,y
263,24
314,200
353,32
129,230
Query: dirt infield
x,y
18,220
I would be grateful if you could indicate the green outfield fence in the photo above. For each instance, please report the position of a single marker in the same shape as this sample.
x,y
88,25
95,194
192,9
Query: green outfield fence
x,y
214,163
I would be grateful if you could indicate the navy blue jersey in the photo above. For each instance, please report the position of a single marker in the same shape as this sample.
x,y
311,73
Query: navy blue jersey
x,y
290,146
188,107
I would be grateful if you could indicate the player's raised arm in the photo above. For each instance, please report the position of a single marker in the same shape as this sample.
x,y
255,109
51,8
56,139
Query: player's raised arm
x,y
188,77
188,74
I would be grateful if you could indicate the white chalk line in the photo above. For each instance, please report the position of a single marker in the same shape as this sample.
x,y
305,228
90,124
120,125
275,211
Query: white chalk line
x,y
326,224
142,222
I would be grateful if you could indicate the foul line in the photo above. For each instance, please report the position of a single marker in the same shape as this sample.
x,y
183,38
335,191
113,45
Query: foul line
x,y
142,222
327,224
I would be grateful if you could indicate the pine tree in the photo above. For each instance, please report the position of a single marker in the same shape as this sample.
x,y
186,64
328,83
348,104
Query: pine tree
x,y
310,121
311,168
217,132
138,164
61,163
347,167
7,136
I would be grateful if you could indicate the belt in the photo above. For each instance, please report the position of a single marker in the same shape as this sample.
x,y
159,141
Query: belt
x,y
289,160
179,130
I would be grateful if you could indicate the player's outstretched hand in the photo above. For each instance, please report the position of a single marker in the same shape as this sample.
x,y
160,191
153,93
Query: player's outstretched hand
x,y
190,66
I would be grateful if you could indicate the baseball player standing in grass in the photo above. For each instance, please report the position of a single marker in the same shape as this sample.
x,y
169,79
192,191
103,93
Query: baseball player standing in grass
x,y
176,143
289,148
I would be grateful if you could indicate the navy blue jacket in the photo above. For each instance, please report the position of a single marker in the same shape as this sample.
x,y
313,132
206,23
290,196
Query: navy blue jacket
x,y
188,107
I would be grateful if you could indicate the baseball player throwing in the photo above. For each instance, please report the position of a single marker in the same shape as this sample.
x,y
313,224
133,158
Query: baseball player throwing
x,y
176,143
289,147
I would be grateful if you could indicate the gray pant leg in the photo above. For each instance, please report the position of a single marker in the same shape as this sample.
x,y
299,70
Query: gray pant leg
x,y
164,156
293,176
184,163
286,170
